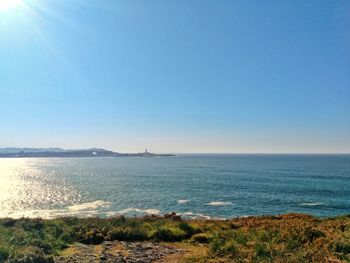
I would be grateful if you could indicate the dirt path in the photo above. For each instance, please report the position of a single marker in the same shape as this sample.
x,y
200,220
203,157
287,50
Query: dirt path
x,y
119,252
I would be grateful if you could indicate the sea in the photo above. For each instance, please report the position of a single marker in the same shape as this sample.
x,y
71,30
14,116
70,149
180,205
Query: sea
x,y
193,186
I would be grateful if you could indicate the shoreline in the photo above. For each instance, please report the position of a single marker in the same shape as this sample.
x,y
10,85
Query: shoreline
x,y
160,216
136,213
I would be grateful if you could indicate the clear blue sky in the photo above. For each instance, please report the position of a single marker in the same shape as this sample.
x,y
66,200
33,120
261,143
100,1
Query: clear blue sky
x,y
176,76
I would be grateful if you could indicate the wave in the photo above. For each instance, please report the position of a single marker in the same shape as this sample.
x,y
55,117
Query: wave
x,y
182,201
50,214
132,210
312,204
187,214
190,215
101,208
217,203
152,211
90,209
66,212
89,206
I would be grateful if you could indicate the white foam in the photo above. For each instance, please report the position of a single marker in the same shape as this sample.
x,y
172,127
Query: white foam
x,y
312,204
152,211
183,201
187,214
201,216
191,215
129,210
89,206
137,210
50,214
75,212
88,209
111,214
217,203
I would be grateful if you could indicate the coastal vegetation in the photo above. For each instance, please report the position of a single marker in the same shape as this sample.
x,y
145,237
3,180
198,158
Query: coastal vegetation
x,y
283,238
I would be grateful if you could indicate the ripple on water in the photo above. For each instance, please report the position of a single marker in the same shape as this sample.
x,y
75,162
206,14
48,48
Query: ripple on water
x,y
192,185
27,190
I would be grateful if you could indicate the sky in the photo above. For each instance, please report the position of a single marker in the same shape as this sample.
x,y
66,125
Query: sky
x,y
185,76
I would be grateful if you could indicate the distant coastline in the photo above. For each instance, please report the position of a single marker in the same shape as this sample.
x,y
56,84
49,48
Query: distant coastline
x,y
58,152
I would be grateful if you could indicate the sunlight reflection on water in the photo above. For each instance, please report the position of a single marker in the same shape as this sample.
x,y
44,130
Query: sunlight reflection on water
x,y
28,189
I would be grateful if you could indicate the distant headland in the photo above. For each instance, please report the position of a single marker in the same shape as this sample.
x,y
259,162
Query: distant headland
x,y
58,152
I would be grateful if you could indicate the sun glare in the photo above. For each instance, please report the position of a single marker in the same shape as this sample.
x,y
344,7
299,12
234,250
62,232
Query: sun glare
x,y
8,4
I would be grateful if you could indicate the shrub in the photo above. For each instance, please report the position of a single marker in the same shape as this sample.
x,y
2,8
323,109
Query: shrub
x,y
188,229
90,236
267,236
127,234
200,238
217,245
342,248
30,255
262,252
234,225
240,238
292,244
9,222
222,247
230,248
4,253
41,245
31,224
311,234
169,234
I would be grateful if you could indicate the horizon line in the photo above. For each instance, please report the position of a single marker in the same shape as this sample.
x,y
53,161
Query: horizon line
x,y
189,153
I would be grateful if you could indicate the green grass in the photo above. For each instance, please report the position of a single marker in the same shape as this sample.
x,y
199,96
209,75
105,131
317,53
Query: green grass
x,y
286,238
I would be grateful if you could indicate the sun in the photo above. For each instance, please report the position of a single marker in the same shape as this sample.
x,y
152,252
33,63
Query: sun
x,y
8,4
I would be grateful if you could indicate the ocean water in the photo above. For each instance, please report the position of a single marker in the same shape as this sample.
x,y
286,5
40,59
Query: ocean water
x,y
195,186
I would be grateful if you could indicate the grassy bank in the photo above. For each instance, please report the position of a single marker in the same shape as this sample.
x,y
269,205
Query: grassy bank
x,y
285,238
